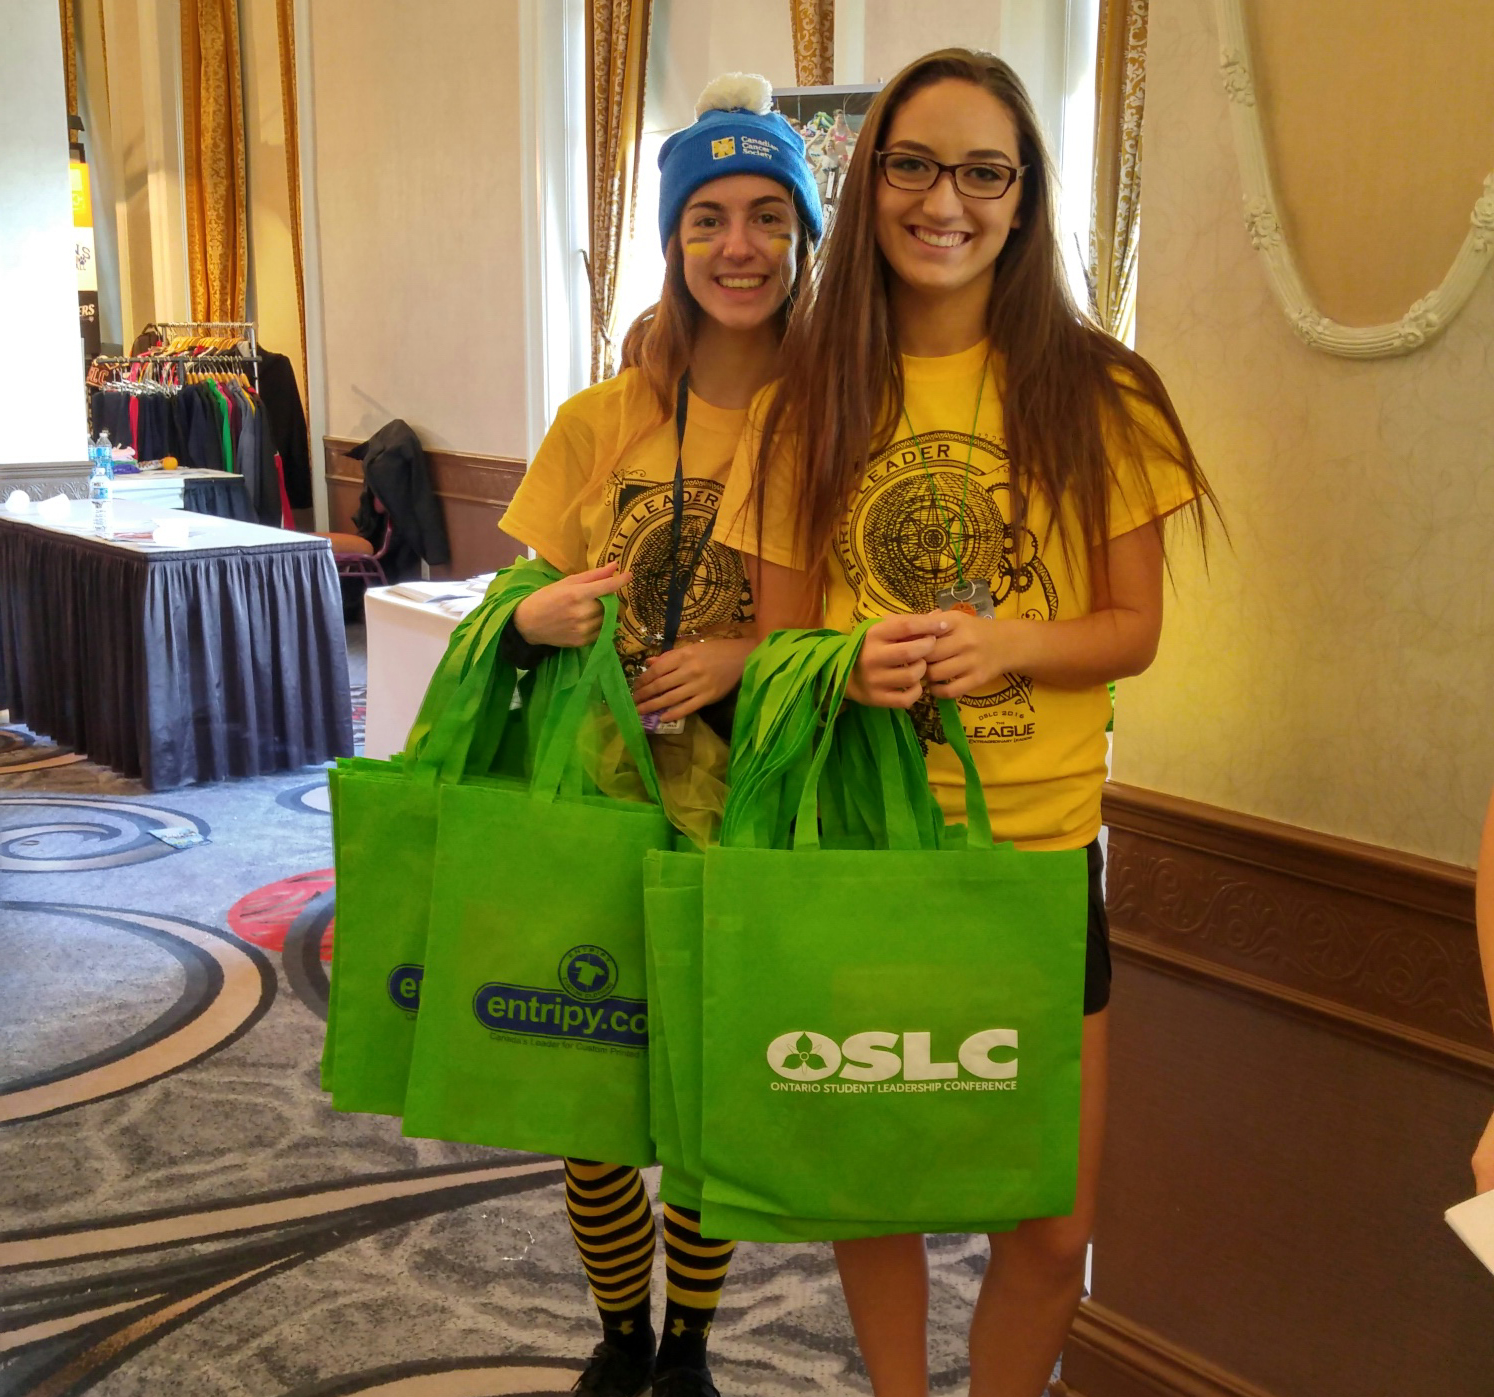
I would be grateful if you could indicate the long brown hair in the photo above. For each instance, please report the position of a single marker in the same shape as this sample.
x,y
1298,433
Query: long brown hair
x,y
1065,381
659,342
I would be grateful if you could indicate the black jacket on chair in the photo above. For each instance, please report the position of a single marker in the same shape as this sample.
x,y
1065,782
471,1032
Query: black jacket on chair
x,y
394,469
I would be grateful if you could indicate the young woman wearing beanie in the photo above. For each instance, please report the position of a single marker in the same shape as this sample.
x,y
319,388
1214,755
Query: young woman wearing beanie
x,y
622,497
953,447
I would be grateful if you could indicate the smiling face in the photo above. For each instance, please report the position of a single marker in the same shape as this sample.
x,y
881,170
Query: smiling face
x,y
740,239
936,241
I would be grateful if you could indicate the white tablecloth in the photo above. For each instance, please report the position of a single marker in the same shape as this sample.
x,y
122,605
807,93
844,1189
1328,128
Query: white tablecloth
x,y
406,640
204,531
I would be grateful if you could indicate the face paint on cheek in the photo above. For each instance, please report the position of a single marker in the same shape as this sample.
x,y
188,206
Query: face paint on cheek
x,y
698,247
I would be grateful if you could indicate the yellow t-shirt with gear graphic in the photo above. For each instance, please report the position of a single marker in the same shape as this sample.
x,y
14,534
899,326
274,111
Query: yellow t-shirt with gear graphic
x,y
1040,749
600,489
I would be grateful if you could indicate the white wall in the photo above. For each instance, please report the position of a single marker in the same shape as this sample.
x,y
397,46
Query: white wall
x,y
42,413
692,41
1333,666
417,219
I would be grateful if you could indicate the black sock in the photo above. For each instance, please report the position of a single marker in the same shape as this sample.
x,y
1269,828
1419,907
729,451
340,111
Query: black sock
x,y
694,1272
631,1330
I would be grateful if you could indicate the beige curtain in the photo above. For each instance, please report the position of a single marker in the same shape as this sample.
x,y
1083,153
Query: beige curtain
x,y
617,61
69,53
213,150
1120,97
814,42
285,18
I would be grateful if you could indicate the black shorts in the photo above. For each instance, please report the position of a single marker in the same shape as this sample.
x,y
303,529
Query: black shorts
x,y
1097,939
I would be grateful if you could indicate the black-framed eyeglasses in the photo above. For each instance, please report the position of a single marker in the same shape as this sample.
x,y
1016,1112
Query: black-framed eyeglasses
x,y
982,179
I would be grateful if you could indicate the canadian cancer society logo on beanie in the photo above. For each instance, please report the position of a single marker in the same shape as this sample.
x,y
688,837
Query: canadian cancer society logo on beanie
x,y
724,149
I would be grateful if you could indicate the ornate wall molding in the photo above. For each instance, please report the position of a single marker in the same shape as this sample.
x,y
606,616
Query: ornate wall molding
x,y
1426,318
1379,943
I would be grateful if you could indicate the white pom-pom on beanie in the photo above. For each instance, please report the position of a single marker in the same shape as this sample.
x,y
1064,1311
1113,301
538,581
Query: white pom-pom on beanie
x,y
736,132
731,92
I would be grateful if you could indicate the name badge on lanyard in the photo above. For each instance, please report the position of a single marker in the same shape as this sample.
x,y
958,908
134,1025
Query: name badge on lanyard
x,y
681,570
972,597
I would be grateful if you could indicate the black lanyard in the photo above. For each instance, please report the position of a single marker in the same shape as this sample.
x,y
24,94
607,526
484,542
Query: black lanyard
x,y
680,577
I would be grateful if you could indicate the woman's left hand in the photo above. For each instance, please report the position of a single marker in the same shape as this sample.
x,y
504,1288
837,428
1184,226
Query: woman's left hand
x,y
685,679
972,654
1483,1161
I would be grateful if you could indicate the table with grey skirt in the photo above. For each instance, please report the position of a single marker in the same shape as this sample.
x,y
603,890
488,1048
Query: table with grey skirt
x,y
184,649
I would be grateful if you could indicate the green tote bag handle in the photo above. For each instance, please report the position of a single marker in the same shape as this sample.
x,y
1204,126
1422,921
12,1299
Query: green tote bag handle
x,y
976,812
902,827
467,703
778,714
601,676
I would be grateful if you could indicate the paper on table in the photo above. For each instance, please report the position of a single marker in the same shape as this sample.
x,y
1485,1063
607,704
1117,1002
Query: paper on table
x,y
56,509
18,502
1473,1221
460,606
426,591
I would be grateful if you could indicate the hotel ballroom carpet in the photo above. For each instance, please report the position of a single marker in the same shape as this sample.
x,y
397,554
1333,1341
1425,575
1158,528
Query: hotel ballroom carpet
x,y
181,1211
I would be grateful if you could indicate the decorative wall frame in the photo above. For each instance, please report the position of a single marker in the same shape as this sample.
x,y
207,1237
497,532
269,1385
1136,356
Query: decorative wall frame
x,y
1426,318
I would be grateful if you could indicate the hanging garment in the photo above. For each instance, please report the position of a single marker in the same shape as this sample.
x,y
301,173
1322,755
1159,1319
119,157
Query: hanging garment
x,y
256,454
225,423
280,397
205,434
394,468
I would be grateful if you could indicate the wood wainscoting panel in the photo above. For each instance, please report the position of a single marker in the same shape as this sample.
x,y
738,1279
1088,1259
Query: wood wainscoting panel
x,y
1136,1362
1301,1063
473,490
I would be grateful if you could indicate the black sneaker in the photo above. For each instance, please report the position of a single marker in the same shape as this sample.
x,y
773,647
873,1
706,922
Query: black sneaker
x,y
684,1382
614,1372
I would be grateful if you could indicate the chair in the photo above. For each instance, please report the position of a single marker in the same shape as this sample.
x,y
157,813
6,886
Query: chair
x,y
356,558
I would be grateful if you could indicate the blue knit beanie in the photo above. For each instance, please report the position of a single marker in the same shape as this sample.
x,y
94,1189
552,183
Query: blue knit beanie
x,y
736,133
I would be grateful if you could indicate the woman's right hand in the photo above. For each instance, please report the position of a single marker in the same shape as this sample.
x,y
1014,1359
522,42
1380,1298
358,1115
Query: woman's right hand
x,y
568,612
890,668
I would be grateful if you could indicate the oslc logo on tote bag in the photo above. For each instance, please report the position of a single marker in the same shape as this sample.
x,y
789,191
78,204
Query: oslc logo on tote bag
x,y
890,1062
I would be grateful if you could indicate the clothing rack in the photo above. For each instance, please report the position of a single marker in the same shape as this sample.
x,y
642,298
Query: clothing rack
x,y
171,329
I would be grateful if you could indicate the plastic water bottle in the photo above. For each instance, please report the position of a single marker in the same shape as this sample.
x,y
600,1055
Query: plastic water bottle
x,y
101,450
101,487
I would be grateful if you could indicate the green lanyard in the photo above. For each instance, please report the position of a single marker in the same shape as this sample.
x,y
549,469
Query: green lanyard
x,y
957,547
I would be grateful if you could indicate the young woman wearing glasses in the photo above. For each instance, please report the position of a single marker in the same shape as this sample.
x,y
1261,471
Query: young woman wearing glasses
x,y
954,447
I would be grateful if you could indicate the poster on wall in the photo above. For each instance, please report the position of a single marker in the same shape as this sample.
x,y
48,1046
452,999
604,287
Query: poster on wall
x,y
829,119
83,249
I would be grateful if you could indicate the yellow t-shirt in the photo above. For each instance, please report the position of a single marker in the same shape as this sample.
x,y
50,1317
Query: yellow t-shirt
x,y
1040,749
600,489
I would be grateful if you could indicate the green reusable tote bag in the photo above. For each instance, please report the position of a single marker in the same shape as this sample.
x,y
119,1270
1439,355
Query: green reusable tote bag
x,y
673,902
870,1011
533,1029
672,914
384,840
799,664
